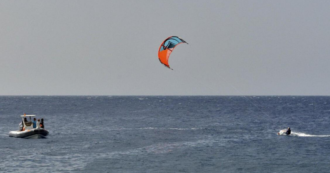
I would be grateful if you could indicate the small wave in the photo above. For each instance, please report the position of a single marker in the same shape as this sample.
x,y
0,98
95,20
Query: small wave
x,y
156,128
6,135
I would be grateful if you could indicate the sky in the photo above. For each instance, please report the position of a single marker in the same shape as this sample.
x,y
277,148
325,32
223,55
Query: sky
x,y
108,47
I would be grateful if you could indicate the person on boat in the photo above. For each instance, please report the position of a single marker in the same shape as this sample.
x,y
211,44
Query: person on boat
x,y
38,123
20,126
42,123
34,123
288,132
27,123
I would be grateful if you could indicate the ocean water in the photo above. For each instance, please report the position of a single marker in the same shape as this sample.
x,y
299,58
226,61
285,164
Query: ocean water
x,y
161,134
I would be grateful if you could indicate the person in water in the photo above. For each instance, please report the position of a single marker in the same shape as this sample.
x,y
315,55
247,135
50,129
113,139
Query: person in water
x,y
288,132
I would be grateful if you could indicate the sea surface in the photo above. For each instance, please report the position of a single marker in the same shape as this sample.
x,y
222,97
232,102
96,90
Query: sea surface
x,y
160,134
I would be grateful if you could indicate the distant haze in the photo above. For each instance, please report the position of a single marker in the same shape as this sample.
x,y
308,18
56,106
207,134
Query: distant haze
x,y
80,47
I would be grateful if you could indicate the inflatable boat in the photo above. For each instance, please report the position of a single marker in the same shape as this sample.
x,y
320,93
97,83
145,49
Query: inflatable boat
x,y
27,130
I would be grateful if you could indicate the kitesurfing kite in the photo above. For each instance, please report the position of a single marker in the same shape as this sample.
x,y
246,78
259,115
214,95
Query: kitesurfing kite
x,y
167,47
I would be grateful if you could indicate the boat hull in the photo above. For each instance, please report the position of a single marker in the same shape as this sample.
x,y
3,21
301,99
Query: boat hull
x,y
34,133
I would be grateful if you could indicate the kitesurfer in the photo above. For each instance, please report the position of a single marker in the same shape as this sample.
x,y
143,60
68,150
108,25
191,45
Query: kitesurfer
x,y
288,132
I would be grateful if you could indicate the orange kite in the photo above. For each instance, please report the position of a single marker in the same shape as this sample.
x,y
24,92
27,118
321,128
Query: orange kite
x,y
167,47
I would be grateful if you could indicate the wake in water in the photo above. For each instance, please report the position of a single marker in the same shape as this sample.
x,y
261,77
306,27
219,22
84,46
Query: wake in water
x,y
299,134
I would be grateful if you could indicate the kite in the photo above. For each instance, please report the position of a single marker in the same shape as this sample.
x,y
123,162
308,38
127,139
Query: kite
x,y
167,47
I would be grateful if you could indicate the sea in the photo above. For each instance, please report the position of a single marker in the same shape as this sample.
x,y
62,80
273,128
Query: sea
x,y
168,134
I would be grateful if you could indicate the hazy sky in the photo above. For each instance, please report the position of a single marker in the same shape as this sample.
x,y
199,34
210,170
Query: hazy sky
x,y
95,47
